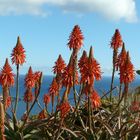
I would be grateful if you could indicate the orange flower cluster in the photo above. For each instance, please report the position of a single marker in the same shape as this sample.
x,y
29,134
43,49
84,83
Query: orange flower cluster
x,y
42,115
6,75
93,95
30,79
116,41
95,100
76,38
6,80
68,76
18,53
90,70
46,99
59,65
121,58
37,76
53,90
127,74
28,97
8,101
82,62
64,108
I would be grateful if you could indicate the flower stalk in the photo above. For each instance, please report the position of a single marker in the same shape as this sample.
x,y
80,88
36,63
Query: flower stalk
x,y
17,89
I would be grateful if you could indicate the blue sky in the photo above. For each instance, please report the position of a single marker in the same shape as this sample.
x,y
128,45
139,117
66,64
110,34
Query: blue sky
x,y
44,27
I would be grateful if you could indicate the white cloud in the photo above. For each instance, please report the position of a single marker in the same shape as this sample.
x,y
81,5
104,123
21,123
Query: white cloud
x,y
111,9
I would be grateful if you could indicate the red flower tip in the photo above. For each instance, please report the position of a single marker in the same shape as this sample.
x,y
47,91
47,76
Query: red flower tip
x,y
46,99
18,53
6,76
116,41
28,96
95,99
30,79
82,62
42,114
76,38
53,90
59,65
64,108
127,74
91,53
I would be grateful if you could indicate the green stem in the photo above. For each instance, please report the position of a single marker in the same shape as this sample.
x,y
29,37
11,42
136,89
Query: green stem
x,y
113,72
5,96
80,96
27,107
120,91
112,81
74,75
52,103
17,89
126,86
89,113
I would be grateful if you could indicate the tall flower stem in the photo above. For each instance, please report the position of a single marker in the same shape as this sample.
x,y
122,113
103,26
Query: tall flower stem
x,y
27,107
74,74
79,99
52,103
89,113
120,91
17,89
126,86
2,137
74,89
59,88
113,72
5,96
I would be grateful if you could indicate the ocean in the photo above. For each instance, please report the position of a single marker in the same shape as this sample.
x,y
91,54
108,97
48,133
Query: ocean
x,y
101,87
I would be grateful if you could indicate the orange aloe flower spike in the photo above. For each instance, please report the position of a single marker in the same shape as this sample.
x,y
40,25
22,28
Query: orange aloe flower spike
x,y
54,87
8,102
64,109
75,38
121,58
127,74
53,90
42,114
68,76
82,62
30,79
6,75
116,41
91,70
18,53
95,100
59,66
